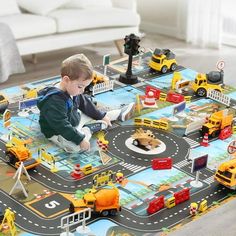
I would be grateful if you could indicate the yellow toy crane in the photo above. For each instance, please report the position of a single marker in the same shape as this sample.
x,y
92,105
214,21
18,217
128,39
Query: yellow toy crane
x,y
226,174
9,219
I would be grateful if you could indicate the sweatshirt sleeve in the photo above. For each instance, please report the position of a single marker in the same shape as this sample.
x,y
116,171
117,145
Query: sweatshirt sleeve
x,y
88,108
57,119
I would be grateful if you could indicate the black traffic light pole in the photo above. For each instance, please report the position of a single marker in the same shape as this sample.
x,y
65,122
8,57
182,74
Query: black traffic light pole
x,y
129,68
131,48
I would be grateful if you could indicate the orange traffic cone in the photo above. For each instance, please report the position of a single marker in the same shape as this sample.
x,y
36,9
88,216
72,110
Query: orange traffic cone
x,y
205,141
77,172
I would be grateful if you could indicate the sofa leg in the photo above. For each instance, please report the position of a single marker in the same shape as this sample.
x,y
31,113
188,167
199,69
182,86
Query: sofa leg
x,y
34,59
119,45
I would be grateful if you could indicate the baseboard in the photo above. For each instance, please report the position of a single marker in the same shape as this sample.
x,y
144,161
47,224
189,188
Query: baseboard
x,y
229,39
160,29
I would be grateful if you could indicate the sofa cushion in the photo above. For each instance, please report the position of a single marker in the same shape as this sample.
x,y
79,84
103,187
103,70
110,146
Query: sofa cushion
x,y
39,6
88,4
76,19
27,25
8,7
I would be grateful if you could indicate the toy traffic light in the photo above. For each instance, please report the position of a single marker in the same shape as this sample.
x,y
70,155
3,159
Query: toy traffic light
x,y
131,47
127,45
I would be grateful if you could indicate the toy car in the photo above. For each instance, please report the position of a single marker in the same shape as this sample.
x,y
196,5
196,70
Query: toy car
x,y
162,60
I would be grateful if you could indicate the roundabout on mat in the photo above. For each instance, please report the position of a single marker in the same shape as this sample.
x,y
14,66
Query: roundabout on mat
x,y
120,145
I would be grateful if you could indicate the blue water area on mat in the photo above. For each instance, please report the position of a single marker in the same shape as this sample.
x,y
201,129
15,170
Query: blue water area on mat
x,y
118,97
164,82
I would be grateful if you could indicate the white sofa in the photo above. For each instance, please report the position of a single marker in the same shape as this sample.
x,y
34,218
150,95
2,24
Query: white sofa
x,y
67,23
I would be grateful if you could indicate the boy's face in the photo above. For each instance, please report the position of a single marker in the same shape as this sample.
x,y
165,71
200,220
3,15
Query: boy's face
x,y
76,87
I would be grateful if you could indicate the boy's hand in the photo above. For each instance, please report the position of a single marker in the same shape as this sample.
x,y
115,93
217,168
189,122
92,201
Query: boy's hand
x,y
107,120
85,145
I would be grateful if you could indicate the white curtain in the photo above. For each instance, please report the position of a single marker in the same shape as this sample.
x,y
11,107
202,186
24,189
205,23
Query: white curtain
x,y
204,23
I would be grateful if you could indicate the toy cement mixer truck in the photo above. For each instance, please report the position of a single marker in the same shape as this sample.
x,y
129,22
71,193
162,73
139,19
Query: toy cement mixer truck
x,y
103,201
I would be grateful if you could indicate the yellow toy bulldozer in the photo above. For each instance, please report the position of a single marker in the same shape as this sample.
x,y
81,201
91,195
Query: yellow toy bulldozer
x,y
18,152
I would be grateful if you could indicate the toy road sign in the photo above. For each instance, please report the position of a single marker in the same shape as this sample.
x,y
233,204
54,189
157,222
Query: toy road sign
x,y
199,163
220,65
106,60
179,108
28,103
231,149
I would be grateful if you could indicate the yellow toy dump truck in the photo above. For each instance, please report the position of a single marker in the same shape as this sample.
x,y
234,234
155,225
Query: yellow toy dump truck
x,y
103,201
204,82
162,60
219,124
145,139
17,152
226,174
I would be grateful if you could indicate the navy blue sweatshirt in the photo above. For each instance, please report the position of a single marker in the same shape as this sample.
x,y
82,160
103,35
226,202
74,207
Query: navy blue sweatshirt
x,y
56,118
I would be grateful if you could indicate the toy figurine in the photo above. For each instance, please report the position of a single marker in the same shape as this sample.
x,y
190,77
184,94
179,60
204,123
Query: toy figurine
x,y
193,208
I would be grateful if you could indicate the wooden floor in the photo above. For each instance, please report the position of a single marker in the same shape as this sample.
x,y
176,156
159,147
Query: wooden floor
x,y
199,59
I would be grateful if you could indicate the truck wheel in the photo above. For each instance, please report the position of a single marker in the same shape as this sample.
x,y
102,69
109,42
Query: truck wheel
x,y
71,208
164,69
11,158
215,134
173,67
105,213
7,158
201,92
113,212
136,142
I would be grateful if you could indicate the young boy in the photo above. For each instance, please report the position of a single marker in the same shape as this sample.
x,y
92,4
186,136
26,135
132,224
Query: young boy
x,y
64,110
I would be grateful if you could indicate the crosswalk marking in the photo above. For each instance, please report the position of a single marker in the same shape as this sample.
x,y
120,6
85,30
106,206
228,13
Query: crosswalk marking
x,y
209,180
131,167
181,163
191,142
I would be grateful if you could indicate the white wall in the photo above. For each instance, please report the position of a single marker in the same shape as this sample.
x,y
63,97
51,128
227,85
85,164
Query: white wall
x,y
166,17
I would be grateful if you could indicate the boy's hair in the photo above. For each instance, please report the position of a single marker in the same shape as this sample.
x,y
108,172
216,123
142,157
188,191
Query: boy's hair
x,y
77,66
